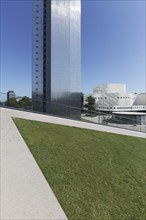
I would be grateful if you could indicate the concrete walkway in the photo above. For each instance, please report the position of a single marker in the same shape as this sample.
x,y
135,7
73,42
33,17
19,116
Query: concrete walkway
x,y
25,194
69,122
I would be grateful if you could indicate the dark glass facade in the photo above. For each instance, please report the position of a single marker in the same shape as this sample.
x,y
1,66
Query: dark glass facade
x,y
56,57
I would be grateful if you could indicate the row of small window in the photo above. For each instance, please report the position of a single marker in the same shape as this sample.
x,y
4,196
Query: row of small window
x,y
44,79
138,107
37,84
44,68
38,95
43,62
43,50
120,107
106,107
44,45
43,82
37,23
124,107
123,97
117,97
101,97
38,89
37,35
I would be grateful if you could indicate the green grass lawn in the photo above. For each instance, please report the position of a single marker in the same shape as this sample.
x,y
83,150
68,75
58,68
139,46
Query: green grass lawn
x,y
94,175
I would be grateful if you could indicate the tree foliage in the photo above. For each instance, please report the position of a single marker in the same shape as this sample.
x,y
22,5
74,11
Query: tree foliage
x,y
24,102
91,101
13,102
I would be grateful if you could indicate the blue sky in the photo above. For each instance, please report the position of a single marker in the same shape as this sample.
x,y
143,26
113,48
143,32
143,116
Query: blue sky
x,y
113,44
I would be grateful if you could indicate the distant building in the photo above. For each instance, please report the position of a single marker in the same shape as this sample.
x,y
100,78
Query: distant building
x,y
10,94
114,98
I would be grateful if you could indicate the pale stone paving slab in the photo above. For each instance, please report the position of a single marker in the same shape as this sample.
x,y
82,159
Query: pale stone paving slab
x,y
25,193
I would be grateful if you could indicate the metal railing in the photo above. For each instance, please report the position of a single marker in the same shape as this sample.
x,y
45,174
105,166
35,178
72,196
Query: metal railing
x,y
84,115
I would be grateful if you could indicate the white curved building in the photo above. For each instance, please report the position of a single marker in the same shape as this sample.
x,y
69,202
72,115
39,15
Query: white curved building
x,y
113,97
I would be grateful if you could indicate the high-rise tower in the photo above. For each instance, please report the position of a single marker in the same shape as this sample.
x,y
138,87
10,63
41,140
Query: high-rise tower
x,y
57,56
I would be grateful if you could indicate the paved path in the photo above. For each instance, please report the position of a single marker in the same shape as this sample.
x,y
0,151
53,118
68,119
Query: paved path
x,y
25,194
69,122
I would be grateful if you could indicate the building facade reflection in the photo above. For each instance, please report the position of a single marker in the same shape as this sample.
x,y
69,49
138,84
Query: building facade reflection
x,y
57,57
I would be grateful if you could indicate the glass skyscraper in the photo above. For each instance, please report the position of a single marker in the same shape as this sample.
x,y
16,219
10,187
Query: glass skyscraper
x,y
57,57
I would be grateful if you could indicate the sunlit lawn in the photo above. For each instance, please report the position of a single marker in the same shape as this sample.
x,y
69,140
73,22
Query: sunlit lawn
x,y
94,175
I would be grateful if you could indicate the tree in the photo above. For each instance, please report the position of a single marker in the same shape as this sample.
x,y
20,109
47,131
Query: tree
x,y
91,101
25,102
13,102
